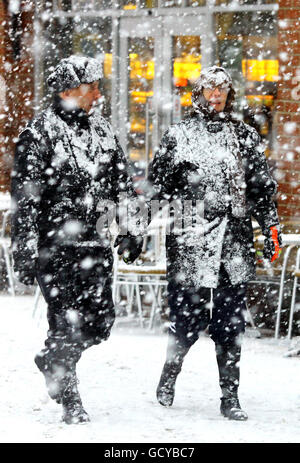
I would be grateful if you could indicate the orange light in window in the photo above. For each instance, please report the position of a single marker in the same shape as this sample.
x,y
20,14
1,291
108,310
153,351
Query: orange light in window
x,y
150,70
180,82
140,97
130,6
260,70
186,99
140,69
266,100
138,125
107,65
186,69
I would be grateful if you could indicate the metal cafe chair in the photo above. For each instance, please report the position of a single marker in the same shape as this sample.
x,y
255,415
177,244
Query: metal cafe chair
x,y
135,276
150,274
37,295
294,291
289,242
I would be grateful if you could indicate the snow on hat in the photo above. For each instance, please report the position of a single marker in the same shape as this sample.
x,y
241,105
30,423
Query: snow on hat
x,y
73,71
213,77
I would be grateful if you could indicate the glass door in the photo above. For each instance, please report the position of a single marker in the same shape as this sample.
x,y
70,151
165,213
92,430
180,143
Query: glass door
x,y
187,48
140,82
160,59
247,45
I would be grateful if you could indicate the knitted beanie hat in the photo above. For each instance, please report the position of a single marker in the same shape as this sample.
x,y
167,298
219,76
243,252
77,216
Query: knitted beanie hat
x,y
73,71
213,77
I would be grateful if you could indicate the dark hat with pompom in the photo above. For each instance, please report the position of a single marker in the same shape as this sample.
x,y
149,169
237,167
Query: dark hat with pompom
x,y
73,71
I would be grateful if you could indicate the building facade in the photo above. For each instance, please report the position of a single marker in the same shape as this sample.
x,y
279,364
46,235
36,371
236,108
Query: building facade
x,y
152,51
287,111
16,78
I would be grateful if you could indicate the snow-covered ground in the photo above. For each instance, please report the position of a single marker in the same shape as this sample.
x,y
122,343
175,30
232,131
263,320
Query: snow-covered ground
x,y
118,381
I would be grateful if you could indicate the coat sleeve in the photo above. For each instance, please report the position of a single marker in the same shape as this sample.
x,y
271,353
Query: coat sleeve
x,y
161,178
122,176
26,190
129,204
163,182
261,186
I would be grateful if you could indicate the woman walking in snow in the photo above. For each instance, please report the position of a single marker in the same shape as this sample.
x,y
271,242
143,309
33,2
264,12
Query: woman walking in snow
x,y
214,158
67,161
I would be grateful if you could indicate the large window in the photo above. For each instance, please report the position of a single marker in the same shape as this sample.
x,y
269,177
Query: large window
x,y
186,55
83,5
141,70
56,43
247,46
196,2
244,2
90,5
134,4
243,42
89,37
93,38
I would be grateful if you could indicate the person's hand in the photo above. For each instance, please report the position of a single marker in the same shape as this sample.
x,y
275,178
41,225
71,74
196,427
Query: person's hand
x,y
26,277
25,270
129,246
272,244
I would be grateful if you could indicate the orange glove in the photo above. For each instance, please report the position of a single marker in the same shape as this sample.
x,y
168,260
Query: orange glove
x,y
272,244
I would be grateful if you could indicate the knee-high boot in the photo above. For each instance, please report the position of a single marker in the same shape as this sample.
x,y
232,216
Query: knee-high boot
x,y
58,365
228,359
176,352
73,411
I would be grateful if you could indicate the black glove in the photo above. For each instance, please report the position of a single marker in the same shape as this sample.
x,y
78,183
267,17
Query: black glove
x,y
25,271
130,245
26,277
272,244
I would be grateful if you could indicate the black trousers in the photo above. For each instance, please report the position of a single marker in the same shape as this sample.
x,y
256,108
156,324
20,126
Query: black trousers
x,y
76,284
190,312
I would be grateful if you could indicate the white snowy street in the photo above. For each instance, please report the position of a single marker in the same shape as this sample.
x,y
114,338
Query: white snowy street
x,y
118,381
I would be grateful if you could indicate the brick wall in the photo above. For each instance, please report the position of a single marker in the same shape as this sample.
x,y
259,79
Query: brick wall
x,y
287,117
16,80
4,68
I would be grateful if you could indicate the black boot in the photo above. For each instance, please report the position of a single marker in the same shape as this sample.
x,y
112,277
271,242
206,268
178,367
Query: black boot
x,y
73,411
228,358
165,391
58,365
230,408
55,374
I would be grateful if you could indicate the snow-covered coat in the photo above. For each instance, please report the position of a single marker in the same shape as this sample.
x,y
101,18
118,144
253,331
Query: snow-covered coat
x,y
201,160
65,163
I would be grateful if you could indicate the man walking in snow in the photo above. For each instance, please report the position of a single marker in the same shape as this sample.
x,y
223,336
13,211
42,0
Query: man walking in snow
x,y
67,161
213,158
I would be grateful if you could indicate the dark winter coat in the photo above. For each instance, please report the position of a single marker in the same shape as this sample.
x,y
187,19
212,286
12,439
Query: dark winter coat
x,y
65,163
194,162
